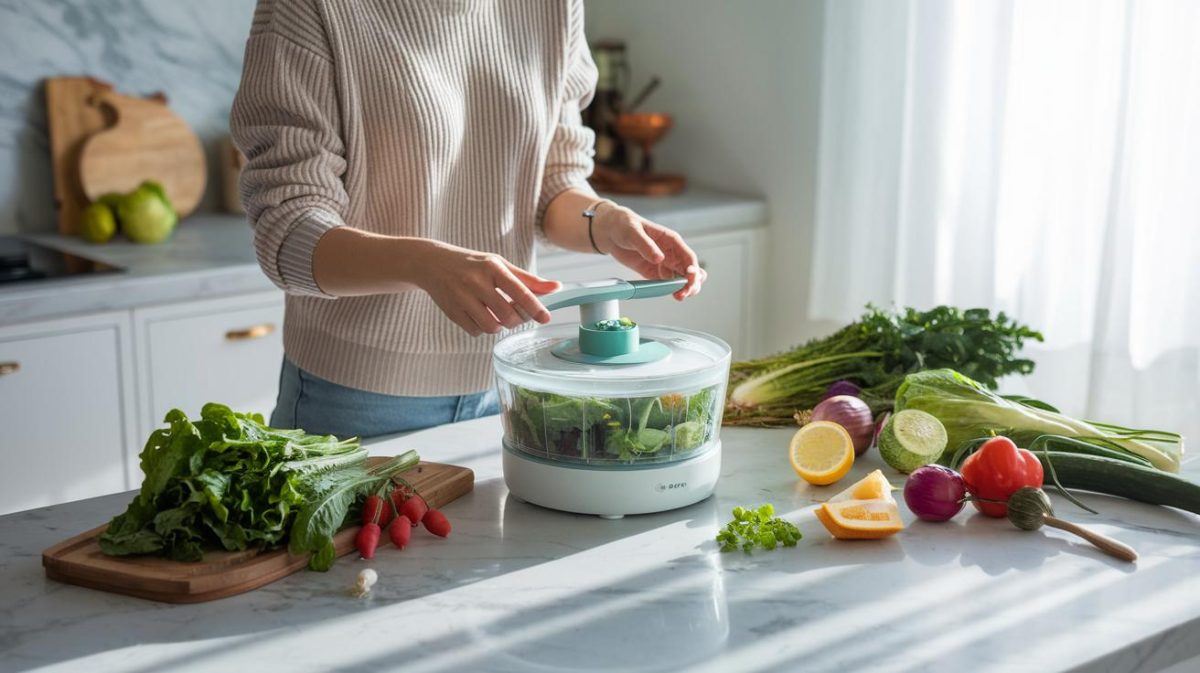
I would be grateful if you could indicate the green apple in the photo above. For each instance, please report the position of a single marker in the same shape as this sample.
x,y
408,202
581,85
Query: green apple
x,y
146,214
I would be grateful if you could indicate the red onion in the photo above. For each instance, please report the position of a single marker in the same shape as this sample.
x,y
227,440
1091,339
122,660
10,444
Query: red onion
x,y
842,387
934,492
852,414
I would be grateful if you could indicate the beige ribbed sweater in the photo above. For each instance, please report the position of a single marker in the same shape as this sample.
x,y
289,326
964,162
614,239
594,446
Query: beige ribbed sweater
x,y
456,120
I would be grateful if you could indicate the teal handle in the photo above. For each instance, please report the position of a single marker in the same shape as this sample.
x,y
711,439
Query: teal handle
x,y
576,294
656,288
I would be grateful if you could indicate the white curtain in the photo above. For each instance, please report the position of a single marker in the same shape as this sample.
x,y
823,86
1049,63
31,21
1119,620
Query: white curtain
x,y
1040,157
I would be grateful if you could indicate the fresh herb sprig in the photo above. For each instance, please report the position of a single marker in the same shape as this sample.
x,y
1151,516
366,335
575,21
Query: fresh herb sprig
x,y
758,527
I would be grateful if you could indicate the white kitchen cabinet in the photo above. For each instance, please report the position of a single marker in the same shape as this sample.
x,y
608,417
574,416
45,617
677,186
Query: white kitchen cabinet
x,y
225,350
66,412
726,307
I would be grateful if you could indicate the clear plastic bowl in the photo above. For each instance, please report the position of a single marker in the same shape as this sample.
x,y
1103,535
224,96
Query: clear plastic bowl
x,y
611,416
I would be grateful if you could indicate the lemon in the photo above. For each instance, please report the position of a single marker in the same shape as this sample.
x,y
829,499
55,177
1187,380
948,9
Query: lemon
x,y
860,519
874,486
821,452
97,224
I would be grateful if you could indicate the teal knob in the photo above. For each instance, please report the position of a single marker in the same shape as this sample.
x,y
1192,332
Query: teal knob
x,y
604,340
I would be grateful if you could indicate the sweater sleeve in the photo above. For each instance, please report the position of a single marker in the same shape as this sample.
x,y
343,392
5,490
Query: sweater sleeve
x,y
285,119
569,157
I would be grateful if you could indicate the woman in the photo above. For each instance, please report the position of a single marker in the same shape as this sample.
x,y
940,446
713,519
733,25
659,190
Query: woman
x,y
403,156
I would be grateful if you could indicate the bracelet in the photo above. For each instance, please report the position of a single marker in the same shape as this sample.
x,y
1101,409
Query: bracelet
x,y
590,214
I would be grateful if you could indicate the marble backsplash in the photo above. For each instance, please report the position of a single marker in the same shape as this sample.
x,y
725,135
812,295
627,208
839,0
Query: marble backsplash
x,y
189,49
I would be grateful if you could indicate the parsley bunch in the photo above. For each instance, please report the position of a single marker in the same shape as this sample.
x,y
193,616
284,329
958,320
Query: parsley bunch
x,y
759,527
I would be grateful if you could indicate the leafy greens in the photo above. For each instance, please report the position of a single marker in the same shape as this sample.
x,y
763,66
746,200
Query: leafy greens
x,y
228,481
633,429
876,352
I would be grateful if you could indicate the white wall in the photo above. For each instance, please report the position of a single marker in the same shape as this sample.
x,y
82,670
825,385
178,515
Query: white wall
x,y
192,51
743,82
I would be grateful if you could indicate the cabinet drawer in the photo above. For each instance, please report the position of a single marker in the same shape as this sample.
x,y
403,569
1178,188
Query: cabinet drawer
x,y
226,351
63,409
721,308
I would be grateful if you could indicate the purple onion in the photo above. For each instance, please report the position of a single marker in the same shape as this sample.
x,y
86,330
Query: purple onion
x,y
842,387
934,493
852,414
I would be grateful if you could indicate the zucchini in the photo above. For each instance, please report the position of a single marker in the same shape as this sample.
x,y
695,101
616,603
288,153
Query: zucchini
x,y
1122,478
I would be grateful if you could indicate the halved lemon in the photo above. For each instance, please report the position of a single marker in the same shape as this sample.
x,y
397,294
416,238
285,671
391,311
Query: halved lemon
x,y
860,519
874,486
821,452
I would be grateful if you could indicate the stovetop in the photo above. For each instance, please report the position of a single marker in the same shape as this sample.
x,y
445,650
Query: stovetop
x,y
26,261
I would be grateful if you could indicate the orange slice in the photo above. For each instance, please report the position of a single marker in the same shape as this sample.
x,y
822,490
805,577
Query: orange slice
x,y
860,519
821,452
874,486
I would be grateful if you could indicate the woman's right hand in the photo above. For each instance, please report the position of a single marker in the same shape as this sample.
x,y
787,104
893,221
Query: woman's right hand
x,y
481,292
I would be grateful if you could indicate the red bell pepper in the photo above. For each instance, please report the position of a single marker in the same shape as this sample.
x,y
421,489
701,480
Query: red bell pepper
x,y
996,470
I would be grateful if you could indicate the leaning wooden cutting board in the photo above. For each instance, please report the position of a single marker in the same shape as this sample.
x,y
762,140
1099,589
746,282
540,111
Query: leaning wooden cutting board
x,y
80,561
147,141
71,120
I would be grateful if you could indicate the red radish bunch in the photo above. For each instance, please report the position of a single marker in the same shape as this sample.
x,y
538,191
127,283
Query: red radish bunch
x,y
399,513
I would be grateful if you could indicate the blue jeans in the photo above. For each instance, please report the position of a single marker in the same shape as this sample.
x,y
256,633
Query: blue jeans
x,y
326,408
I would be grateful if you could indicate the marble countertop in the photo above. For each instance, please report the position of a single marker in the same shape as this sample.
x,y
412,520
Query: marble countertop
x,y
213,256
519,588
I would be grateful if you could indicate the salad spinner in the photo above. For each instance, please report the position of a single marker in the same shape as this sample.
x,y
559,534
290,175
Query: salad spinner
x,y
607,416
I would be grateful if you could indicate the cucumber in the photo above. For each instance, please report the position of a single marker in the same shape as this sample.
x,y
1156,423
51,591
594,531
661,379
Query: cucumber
x,y
1127,480
910,439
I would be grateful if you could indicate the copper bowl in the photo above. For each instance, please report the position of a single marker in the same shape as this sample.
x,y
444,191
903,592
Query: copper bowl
x,y
643,128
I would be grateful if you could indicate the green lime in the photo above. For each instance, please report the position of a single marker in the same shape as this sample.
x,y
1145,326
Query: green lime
x,y
910,439
97,224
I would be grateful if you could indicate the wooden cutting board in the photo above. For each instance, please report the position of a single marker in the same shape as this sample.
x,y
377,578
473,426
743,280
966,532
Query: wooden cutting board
x,y
80,561
146,141
71,120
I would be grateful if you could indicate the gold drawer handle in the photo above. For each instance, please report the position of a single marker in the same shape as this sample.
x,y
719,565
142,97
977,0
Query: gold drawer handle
x,y
253,332
7,368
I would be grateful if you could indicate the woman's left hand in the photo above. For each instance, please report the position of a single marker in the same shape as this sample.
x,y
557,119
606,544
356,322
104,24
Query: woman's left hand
x,y
649,249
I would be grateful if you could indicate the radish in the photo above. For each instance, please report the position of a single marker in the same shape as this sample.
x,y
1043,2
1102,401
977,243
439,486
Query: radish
x,y
400,531
367,539
414,508
436,523
377,510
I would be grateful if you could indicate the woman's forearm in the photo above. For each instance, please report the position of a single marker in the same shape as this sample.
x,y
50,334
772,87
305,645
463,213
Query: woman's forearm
x,y
564,223
349,262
